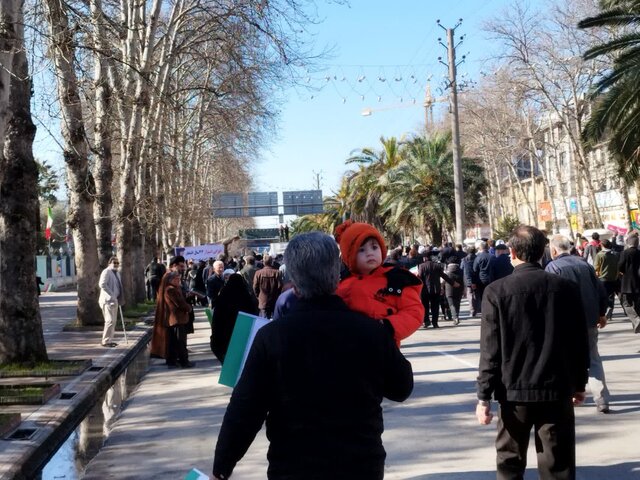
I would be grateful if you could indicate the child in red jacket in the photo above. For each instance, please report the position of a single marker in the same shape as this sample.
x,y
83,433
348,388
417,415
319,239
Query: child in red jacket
x,y
386,293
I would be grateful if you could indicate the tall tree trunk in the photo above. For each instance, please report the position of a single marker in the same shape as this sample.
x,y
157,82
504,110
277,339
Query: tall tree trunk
x,y
126,222
79,180
103,169
21,337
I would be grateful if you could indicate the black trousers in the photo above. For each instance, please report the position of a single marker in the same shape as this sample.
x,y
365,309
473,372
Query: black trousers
x,y
431,303
555,439
177,345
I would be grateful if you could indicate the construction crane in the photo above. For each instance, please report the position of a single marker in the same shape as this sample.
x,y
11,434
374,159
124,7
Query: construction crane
x,y
428,103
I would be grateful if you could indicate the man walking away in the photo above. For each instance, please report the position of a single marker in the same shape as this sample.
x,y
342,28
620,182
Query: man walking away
x,y
630,282
502,263
111,296
606,266
267,286
533,360
318,376
470,281
154,273
592,249
483,269
431,273
594,303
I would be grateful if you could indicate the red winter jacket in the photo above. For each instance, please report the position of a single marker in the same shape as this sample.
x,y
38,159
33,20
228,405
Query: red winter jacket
x,y
387,292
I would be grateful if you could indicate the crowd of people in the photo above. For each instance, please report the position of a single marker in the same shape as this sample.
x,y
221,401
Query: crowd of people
x,y
542,302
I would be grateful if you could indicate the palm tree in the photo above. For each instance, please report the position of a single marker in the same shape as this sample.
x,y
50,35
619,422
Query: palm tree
x,y
419,190
362,185
616,114
324,222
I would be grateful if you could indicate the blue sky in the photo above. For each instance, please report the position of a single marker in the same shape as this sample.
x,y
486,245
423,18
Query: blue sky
x,y
373,39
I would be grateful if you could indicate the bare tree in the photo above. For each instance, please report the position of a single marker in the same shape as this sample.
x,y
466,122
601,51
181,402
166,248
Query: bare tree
x,y
21,337
80,182
544,49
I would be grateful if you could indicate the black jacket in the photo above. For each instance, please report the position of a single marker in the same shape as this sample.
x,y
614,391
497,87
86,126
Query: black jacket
x,y
431,273
318,376
628,266
533,338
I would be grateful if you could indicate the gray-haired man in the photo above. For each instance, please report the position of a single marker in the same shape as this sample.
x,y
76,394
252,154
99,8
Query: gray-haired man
x,y
594,303
318,375
111,296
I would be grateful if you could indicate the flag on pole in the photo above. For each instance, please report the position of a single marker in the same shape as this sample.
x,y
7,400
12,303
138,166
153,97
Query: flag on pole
x,y
244,332
47,231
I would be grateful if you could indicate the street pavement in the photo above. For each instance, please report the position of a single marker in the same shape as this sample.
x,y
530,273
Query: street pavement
x,y
171,421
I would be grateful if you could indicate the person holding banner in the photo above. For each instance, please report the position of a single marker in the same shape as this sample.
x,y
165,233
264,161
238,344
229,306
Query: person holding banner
x,y
318,376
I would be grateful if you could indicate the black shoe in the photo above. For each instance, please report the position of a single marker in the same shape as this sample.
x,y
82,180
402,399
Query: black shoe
x,y
110,345
435,325
456,321
603,409
188,365
427,325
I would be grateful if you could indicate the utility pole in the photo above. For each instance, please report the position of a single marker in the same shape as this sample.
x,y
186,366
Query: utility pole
x,y
318,179
455,129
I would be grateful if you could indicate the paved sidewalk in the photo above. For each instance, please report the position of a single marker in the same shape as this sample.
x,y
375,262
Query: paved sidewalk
x,y
172,420
55,420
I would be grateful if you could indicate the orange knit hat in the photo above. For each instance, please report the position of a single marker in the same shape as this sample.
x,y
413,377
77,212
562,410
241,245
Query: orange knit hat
x,y
350,236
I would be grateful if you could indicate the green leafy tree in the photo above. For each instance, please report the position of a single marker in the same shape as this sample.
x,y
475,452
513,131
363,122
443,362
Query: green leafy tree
x,y
506,225
419,190
363,190
324,222
616,113
48,183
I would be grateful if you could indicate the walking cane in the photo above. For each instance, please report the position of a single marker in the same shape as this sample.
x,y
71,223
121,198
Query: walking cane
x,y
124,327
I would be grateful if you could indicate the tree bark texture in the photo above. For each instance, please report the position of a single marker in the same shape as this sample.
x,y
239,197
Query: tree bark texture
x,y
103,169
80,182
21,336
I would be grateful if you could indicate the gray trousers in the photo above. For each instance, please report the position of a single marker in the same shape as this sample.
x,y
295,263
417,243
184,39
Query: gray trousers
x,y
597,382
631,304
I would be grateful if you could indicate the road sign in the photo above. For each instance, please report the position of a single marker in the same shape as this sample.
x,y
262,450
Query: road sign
x,y
224,203
302,202
262,204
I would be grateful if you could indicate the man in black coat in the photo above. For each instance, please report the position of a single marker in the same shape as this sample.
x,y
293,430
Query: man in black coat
x,y
318,376
534,361
630,281
432,273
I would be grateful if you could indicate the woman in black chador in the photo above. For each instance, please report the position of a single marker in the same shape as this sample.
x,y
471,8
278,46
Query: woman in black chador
x,y
234,297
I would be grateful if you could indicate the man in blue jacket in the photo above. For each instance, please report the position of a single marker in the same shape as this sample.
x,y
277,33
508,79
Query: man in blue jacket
x,y
483,269
502,263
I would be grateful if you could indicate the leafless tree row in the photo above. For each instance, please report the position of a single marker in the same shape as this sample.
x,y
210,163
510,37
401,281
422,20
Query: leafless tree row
x,y
526,117
160,104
